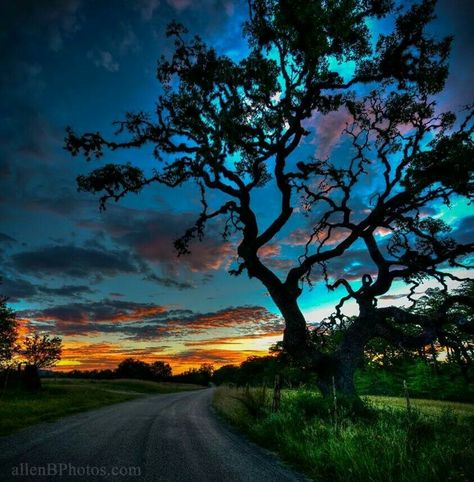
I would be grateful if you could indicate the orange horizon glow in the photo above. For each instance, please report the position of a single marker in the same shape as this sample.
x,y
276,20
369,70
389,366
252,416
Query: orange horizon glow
x,y
225,337
220,351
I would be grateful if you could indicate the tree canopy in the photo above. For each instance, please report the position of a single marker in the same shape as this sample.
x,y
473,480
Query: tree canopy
x,y
41,351
234,127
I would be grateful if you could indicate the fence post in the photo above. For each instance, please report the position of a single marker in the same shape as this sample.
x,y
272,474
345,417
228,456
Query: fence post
x,y
276,394
334,397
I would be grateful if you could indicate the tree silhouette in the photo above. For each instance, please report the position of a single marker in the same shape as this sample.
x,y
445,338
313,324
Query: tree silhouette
x,y
39,352
234,127
161,370
132,368
8,333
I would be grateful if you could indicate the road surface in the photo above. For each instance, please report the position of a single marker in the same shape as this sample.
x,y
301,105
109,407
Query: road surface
x,y
173,437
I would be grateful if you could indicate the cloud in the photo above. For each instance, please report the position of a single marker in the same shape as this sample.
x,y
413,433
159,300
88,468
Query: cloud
x,y
351,265
147,8
75,262
169,282
20,289
129,41
234,340
103,59
151,235
7,240
300,236
329,131
107,310
17,289
148,321
269,251
464,231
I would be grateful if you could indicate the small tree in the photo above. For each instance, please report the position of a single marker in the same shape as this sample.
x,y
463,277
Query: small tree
x,y
161,370
234,127
39,352
8,334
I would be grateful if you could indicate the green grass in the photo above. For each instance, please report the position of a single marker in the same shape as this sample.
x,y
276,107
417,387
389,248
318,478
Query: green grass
x,y
57,398
123,384
429,407
434,442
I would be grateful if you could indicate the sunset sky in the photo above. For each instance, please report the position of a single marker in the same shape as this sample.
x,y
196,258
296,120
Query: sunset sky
x,y
109,283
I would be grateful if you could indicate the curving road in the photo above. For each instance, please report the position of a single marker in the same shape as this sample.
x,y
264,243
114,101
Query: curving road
x,y
174,437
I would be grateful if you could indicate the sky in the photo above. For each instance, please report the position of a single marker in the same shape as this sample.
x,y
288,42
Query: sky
x,y
110,283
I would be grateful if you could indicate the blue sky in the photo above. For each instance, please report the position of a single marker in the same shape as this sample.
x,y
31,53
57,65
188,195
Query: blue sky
x,y
109,282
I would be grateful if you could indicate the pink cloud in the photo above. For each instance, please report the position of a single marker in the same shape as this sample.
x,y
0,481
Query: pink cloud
x,y
299,237
328,129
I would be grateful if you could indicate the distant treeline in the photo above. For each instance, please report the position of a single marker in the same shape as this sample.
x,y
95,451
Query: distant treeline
x,y
157,371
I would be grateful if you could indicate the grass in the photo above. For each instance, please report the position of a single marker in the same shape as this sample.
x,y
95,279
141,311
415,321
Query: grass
x,y
124,385
429,407
58,398
433,442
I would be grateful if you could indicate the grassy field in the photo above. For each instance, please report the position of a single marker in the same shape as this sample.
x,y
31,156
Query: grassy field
x,y
433,442
57,398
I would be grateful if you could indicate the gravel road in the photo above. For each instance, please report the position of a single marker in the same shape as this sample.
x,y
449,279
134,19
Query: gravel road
x,y
173,437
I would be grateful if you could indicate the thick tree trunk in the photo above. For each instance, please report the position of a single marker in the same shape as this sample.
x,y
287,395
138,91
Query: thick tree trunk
x,y
336,369
295,335
350,352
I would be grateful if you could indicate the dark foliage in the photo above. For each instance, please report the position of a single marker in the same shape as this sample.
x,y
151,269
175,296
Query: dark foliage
x,y
235,126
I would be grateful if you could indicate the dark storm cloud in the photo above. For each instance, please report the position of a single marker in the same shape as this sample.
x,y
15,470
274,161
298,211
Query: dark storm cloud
x,y
464,232
17,289
107,310
20,289
151,235
7,240
75,262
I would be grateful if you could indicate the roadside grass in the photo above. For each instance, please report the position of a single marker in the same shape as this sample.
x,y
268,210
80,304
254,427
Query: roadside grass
x,y
123,384
20,408
433,442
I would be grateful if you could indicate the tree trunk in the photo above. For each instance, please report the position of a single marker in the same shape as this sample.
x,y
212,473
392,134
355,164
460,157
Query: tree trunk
x,y
295,335
31,378
343,363
350,352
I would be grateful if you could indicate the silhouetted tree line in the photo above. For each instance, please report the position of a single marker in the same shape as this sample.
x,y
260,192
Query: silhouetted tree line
x,y
156,371
199,376
129,368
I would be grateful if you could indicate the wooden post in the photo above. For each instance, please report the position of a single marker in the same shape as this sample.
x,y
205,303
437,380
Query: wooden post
x,y
334,396
276,394
407,395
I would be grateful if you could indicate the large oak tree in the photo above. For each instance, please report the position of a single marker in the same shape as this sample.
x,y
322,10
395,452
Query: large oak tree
x,y
234,127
